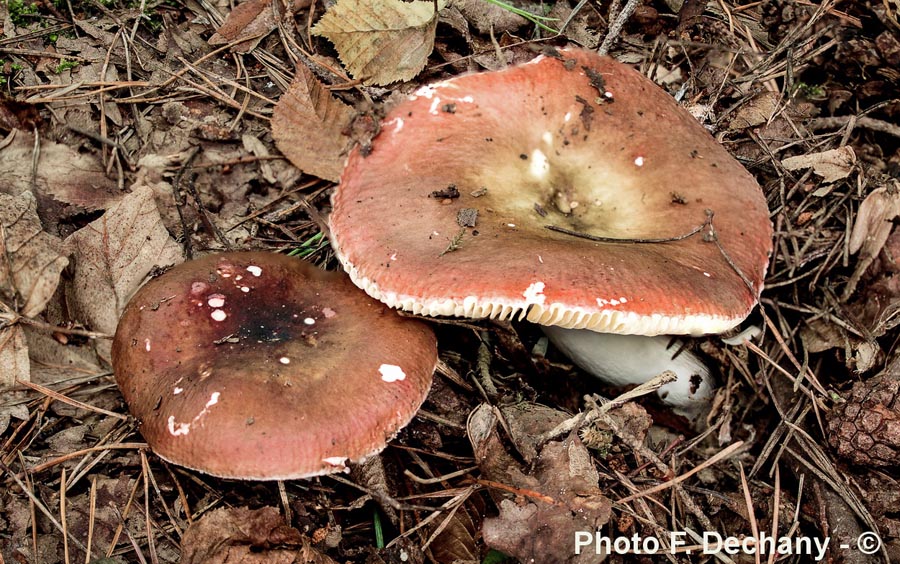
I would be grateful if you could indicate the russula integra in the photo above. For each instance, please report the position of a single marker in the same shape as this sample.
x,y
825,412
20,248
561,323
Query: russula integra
x,y
569,191
259,366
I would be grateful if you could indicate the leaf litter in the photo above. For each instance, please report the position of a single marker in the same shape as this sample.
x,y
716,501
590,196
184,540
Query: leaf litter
x,y
145,134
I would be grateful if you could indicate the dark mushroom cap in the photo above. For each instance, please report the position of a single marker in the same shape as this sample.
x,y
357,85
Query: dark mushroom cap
x,y
260,366
446,213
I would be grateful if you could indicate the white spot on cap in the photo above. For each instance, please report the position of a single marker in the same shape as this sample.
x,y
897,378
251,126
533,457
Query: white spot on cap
x,y
238,277
467,99
328,312
608,94
391,373
216,300
539,166
639,161
707,274
540,259
567,117
534,294
309,321
254,270
433,110
147,345
179,428
177,390
547,137
603,302
398,124
176,429
427,91
218,315
335,460
245,289
284,360
394,256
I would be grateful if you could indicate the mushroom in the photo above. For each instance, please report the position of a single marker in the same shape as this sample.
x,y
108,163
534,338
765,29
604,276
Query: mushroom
x,y
260,366
569,191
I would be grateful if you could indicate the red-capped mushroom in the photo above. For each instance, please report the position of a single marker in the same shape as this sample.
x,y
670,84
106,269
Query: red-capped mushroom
x,y
260,366
569,191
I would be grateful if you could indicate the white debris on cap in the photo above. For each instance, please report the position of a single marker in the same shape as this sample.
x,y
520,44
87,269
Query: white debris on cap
x,y
391,373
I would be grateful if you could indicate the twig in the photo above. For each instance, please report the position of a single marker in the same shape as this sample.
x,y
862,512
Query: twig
x,y
615,28
65,399
601,239
867,122
37,502
678,479
11,318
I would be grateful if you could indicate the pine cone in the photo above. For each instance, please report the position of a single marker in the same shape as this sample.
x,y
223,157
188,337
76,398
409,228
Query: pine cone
x,y
866,429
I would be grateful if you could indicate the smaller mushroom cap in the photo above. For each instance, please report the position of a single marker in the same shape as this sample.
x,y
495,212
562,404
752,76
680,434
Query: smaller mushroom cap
x,y
260,366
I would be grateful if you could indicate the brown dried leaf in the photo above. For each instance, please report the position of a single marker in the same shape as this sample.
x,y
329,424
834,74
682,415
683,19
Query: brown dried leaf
x,y
31,259
757,111
308,125
251,21
248,536
489,18
873,221
831,165
13,357
13,405
457,540
560,493
63,175
381,41
872,229
114,254
49,355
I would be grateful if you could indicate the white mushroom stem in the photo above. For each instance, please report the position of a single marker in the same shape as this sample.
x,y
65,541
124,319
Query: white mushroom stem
x,y
623,360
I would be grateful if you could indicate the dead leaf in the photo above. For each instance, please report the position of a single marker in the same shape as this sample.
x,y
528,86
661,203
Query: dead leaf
x,y
832,165
757,111
251,21
381,41
583,27
308,126
13,356
488,18
873,220
113,255
48,355
872,228
13,405
31,259
457,540
66,182
559,485
17,115
258,148
247,536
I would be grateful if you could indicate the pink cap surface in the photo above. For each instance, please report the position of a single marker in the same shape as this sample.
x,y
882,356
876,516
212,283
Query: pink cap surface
x,y
576,141
260,366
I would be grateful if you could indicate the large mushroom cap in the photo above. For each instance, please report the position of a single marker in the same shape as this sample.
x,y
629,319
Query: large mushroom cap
x,y
260,366
576,141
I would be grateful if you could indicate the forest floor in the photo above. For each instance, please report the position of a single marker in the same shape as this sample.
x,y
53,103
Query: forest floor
x,y
134,135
